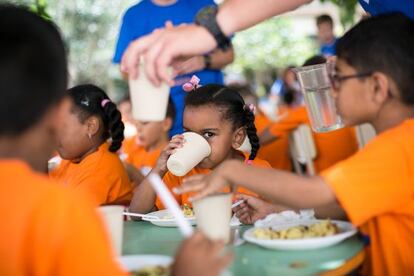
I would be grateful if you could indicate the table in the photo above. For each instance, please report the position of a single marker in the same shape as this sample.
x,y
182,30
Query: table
x,y
144,238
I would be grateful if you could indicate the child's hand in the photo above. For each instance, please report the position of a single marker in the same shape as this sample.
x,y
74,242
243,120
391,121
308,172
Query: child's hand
x,y
253,209
176,142
199,256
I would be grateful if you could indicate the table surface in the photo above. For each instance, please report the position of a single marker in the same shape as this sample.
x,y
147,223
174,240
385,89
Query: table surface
x,y
145,238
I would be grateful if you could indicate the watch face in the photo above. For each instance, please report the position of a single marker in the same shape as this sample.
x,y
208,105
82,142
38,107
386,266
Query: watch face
x,y
206,14
206,17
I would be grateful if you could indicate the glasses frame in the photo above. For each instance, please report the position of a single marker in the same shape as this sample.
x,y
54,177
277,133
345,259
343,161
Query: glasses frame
x,y
337,80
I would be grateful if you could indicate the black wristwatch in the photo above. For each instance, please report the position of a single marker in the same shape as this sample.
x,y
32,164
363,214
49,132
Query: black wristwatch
x,y
207,61
206,17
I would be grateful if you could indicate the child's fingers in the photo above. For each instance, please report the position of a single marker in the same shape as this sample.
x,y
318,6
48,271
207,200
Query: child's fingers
x,y
245,218
242,211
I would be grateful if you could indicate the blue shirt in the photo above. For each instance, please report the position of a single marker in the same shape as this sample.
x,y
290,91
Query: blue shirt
x,y
375,7
144,17
328,49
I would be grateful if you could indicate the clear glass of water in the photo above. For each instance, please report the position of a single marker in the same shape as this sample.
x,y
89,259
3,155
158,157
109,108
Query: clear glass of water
x,y
317,91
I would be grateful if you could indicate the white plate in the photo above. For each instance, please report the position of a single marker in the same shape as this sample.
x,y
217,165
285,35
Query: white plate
x,y
166,222
346,230
135,262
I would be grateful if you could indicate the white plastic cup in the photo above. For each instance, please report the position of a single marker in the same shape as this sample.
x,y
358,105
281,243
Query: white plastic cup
x,y
320,105
53,163
213,215
246,146
149,102
194,150
114,223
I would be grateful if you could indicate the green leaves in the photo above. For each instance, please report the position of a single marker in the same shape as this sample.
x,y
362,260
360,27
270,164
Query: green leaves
x,y
271,44
347,10
39,7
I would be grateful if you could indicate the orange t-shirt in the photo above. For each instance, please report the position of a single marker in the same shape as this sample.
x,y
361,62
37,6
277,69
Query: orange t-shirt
x,y
173,181
100,176
138,156
47,230
376,189
276,152
331,147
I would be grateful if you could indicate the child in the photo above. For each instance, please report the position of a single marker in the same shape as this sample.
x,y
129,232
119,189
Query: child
x,y
326,36
331,147
48,230
220,115
90,164
276,152
372,84
142,150
125,107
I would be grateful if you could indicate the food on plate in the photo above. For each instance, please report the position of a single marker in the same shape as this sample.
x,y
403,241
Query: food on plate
x,y
151,271
187,211
316,230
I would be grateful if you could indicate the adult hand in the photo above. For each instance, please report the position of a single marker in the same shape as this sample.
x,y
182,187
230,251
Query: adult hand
x,y
205,185
199,256
252,209
160,48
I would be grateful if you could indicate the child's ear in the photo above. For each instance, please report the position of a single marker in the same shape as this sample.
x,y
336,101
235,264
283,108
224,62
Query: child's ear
x,y
381,87
167,124
92,124
238,137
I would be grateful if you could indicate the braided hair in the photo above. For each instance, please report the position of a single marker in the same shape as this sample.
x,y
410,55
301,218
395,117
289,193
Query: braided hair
x,y
232,106
91,100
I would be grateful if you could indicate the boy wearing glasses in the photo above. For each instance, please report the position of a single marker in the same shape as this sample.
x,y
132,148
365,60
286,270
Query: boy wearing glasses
x,y
373,80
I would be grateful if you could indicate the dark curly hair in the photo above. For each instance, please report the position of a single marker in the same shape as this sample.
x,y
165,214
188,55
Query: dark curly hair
x,y
88,101
233,108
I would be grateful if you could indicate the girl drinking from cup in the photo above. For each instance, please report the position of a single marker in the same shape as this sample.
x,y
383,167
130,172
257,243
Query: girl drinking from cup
x,y
220,116
91,165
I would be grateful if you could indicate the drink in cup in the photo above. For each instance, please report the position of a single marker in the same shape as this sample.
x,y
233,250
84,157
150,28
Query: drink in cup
x,y
317,90
213,215
194,150
113,219
149,102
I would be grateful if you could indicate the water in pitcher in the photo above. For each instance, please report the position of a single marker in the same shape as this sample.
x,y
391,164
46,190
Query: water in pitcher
x,y
321,109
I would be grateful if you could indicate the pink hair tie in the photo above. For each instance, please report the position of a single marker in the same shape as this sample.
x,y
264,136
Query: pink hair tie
x,y
192,84
251,108
249,162
104,102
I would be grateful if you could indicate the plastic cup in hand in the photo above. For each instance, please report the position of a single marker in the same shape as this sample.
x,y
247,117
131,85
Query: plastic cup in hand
x,y
194,150
213,215
246,146
149,102
317,90
113,219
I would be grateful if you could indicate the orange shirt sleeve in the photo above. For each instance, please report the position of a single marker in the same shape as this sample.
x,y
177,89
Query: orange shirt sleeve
x,y
261,122
69,241
362,182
